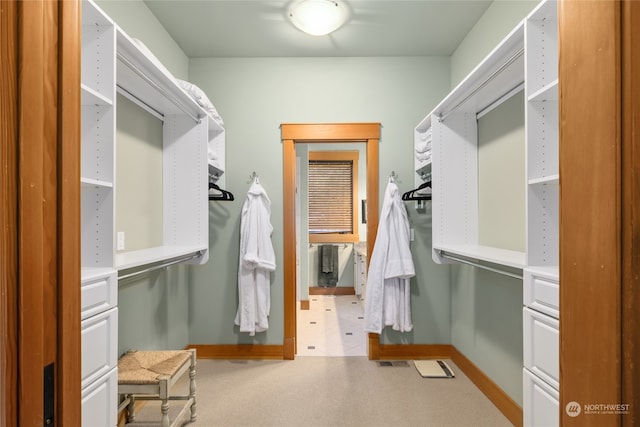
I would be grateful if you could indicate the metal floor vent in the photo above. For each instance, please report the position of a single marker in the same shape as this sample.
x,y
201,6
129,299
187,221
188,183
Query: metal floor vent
x,y
395,363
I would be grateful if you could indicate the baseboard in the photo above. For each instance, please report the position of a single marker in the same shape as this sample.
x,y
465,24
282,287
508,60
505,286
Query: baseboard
x,y
414,351
494,393
335,290
238,351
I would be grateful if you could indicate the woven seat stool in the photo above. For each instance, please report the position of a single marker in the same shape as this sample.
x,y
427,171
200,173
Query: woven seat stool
x,y
149,375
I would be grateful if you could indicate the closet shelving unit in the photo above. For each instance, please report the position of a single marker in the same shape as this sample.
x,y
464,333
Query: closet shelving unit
x,y
146,82
99,296
453,123
529,56
541,373
113,62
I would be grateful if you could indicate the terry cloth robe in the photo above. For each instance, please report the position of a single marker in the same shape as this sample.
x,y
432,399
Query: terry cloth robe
x,y
257,261
388,294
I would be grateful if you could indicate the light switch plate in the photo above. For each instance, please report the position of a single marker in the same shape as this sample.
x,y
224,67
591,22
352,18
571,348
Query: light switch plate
x,y
120,241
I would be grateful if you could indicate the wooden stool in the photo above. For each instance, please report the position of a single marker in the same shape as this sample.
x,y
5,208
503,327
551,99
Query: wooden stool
x,y
149,375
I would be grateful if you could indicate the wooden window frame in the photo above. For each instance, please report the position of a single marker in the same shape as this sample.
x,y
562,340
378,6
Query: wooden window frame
x,y
338,237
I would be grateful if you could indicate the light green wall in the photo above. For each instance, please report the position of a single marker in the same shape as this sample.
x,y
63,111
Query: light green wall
x,y
498,20
135,18
139,168
501,176
256,95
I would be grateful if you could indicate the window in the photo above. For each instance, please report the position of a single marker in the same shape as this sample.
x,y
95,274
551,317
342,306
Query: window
x,y
333,190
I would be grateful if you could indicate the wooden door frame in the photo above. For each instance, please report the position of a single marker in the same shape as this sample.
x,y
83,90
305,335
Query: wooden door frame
x,y
292,134
40,211
599,209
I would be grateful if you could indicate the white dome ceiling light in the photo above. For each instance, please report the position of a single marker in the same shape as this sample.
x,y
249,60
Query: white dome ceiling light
x,y
318,17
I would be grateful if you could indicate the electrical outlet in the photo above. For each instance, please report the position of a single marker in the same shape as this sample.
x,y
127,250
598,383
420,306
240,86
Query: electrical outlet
x,y
120,241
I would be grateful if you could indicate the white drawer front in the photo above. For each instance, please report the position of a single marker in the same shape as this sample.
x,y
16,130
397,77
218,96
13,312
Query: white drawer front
x,y
100,401
541,402
99,345
541,338
99,294
542,294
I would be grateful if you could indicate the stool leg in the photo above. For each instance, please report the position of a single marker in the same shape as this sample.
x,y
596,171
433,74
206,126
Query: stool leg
x,y
192,385
131,409
165,413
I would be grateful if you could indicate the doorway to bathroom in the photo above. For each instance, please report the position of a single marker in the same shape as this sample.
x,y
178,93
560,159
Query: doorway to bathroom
x,y
325,308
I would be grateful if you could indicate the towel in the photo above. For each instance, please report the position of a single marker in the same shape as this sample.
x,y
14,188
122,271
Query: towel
x,y
328,266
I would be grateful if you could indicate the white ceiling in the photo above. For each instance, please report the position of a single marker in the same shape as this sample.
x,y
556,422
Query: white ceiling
x,y
259,28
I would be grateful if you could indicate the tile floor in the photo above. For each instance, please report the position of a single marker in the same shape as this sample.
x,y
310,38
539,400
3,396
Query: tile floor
x,y
333,326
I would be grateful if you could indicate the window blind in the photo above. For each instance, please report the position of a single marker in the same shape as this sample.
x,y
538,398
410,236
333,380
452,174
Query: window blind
x,y
331,196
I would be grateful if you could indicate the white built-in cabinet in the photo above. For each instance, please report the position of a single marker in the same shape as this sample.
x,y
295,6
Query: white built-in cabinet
x,y
113,62
526,59
99,287
541,293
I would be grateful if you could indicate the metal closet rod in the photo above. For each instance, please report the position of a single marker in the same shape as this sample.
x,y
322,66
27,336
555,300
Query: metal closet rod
x,y
493,75
475,264
153,84
163,265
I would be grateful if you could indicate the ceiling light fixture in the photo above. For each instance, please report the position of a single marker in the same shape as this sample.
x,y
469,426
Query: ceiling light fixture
x,y
318,17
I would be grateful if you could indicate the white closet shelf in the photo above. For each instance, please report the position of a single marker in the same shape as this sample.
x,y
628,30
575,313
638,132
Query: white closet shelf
x,y
125,260
93,273
500,256
90,182
92,97
490,80
141,74
547,93
549,179
549,271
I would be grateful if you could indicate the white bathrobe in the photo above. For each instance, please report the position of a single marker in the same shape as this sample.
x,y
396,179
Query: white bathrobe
x,y
388,297
257,261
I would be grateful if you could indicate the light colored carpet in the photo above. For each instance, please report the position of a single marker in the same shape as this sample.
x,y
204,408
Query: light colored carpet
x,y
332,391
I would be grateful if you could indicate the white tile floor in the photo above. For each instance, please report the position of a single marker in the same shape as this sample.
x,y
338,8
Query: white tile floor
x,y
333,326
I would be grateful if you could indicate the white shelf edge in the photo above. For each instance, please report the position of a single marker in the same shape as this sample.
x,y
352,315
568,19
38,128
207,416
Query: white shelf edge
x,y
132,259
543,11
511,44
548,92
549,271
514,259
549,179
92,273
164,83
90,182
94,15
92,97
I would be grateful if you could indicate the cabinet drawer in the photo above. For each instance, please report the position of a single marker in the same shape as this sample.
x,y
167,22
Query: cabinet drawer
x,y
541,337
100,401
98,294
541,402
99,345
541,293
